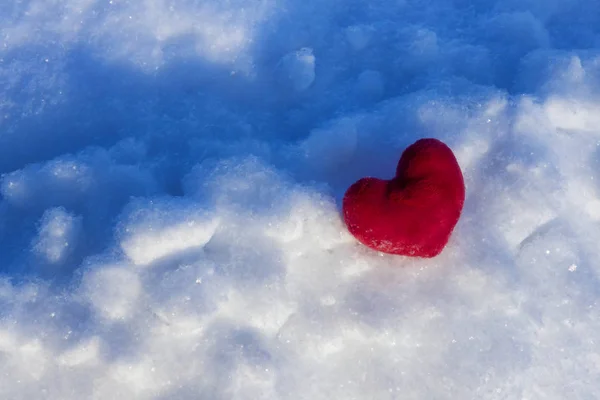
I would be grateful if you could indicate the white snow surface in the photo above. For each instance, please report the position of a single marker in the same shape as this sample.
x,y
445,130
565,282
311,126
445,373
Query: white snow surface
x,y
170,182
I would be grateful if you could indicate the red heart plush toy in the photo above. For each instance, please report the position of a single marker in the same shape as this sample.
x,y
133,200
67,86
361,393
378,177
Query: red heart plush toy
x,y
414,213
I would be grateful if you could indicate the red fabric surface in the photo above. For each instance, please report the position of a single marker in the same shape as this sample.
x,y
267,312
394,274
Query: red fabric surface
x,y
414,213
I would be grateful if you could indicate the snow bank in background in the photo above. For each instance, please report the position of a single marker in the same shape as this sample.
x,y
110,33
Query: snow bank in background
x,y
169,199
144,32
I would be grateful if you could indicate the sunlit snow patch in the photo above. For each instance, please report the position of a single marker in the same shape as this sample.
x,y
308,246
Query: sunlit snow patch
x,y
158,228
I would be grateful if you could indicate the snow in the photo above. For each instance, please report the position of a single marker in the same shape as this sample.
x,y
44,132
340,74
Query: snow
x,y
297,69
58,235
171,175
